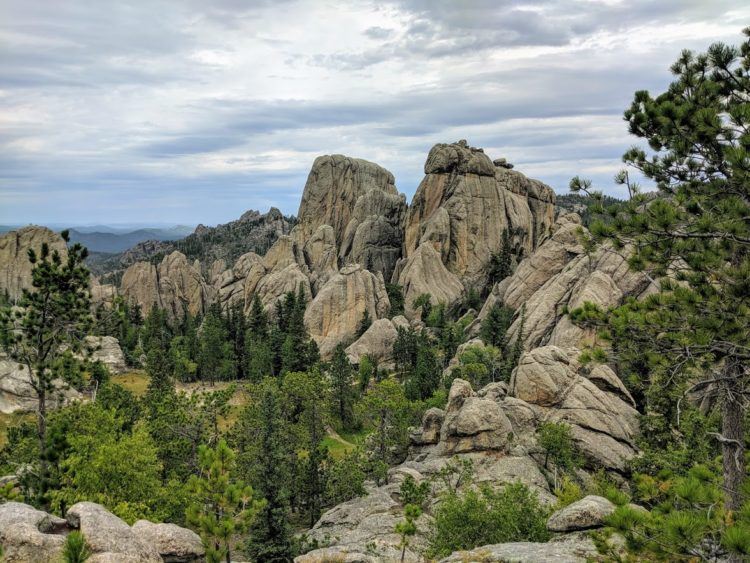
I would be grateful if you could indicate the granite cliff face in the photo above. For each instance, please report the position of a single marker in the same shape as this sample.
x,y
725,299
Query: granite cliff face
x,y
465,202
15,268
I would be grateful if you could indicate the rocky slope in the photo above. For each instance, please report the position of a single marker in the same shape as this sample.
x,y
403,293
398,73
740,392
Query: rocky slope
x,y
15,268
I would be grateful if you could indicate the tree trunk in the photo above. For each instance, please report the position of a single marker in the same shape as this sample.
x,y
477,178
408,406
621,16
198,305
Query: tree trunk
x,y
41,432
733,450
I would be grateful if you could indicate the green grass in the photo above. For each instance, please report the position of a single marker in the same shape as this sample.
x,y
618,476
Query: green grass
x,y
338,448
135,381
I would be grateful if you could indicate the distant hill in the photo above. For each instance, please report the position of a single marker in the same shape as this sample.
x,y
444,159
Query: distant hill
x,y
112,241
252,232
582,204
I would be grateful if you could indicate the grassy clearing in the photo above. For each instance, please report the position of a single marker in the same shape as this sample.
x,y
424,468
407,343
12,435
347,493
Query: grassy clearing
x,y
341,444
135,381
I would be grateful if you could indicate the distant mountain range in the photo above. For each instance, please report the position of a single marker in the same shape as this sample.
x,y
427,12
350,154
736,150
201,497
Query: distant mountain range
x,y
112,241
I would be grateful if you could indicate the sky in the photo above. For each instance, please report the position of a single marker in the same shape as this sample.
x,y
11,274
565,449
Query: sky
x,y
193,111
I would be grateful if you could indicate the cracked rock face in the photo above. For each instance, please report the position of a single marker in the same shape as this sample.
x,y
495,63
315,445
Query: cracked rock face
x,y
334,315
15,268
464,203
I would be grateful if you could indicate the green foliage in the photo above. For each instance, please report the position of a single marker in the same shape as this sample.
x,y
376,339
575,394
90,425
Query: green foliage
x,y
567,492
416,363
396,299
501,262
364,324
222,507
215,353
480,365
424,302
414,493
346,478
473,518
75,549
496,324
342,387
52,316
557,442
407,528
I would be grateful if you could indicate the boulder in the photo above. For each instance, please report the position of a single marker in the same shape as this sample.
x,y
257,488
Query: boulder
x,y
573,548
174,544
336,312
106,349
429,432
18,395
424,272
479,425
108,537
554,386
27,534
15,268
589,512
377,342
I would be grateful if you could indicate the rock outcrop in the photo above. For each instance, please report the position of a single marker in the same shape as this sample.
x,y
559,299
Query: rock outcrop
x,y
424,272
465,202
555,387
174,285
337,310
27,534
18,395
589,512
572,548
230,283
377,342
15,268
561,276
106,349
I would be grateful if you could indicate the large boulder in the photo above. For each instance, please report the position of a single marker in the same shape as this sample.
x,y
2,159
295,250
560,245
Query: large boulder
x,y
17,393
27,534
572,548
424,272
377,341
108,537
15,268
589,512
465,202
337,310
174,544
374,235
554,385
106,349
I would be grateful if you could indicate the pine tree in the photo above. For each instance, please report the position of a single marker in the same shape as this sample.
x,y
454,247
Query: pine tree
x,y
215,353
364,324
53,314
695,234
223,507
271,533
500,266
496,325
342,386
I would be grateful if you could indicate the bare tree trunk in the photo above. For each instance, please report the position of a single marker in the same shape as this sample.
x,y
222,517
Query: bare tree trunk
x,y
733,450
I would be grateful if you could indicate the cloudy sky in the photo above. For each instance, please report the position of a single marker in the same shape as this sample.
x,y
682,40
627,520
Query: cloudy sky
x,y
187,111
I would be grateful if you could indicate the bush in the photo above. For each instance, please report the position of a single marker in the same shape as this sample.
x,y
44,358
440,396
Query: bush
x,y
414,493
75,549
557,442
483,517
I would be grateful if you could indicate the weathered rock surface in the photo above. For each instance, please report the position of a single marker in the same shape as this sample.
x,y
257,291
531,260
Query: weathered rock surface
x,y
110,538
337,310
573,548
589,512
174,544
174,285
424,272
230,283
561,276
18,395
106,349
27,534
374,235
603,425
377,341
15,268
334,185
478,201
